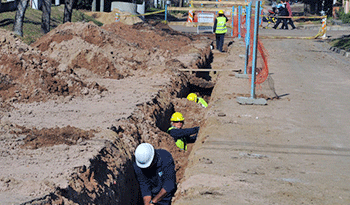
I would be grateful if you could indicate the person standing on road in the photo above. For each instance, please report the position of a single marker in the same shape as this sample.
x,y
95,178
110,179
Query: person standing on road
x,y
182,136
193,97
155,172
282,11
289,20
220,30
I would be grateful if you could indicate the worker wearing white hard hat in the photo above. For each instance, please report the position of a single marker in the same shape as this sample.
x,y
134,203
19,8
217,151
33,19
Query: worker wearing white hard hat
x,y
155,172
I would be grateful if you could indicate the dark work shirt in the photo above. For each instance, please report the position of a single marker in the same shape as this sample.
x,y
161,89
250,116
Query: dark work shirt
x,y
183,133
160,175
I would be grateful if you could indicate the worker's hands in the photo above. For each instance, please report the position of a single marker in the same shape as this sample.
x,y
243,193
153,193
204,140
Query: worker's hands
x,y
197,129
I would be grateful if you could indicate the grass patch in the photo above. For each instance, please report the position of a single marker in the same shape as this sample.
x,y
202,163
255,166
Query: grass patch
x,y
342,43
32,21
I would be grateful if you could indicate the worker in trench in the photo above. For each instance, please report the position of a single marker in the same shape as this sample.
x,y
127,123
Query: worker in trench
x,y
193,97
182,136
155,172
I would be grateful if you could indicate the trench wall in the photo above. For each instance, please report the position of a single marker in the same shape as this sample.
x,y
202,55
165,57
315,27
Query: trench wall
x,y
109,178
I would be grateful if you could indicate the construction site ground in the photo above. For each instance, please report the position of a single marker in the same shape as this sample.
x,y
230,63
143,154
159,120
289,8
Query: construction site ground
x,y
77,102
295,150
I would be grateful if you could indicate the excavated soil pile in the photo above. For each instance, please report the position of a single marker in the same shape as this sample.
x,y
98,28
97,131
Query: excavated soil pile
x,y
27,76
59,96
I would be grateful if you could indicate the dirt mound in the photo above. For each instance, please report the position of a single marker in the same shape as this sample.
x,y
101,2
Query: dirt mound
x,y
110,17
143,35
48,137
27,75
89,47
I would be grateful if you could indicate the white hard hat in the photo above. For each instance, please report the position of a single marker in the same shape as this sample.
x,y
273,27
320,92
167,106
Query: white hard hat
x,y
144,155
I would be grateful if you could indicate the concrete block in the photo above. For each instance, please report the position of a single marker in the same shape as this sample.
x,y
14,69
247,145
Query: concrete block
x,y
251,101
342,52
125,7
241,75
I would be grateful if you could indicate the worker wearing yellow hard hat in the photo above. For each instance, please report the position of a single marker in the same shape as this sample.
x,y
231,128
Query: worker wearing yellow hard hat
x,y
220,30
195,98
180,135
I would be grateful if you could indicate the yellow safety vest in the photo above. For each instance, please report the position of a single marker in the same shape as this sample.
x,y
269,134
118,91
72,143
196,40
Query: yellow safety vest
x,y
221,25
202,102
180,143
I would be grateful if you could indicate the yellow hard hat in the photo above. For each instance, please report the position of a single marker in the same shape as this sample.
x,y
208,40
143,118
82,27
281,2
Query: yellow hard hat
x,y
221,12
177,117
192,97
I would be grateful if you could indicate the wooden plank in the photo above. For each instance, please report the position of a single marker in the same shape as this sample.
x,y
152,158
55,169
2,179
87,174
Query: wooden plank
x,y
207,70
189,24
233,3
197,9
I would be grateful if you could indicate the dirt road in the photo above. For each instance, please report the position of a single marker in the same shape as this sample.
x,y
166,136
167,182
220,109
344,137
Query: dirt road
x,y
295,150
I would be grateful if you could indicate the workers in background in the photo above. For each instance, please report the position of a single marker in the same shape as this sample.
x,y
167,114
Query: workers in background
x,y
155,172
195,98
289,20
282,11
220,30
182,136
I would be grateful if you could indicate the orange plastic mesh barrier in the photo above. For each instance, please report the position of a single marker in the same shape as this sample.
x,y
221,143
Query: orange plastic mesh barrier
x,y
235,26
262,70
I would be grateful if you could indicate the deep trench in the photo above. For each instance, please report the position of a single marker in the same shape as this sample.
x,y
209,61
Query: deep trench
x,y
110,177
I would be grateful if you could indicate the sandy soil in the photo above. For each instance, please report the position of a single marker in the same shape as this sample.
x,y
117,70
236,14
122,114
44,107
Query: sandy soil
x,y
62,96
295,150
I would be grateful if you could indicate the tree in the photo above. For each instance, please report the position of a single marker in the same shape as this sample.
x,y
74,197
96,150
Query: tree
x,y
21,9
68,9
45,20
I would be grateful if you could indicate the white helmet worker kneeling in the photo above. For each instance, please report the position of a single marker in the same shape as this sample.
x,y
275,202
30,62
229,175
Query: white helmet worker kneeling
x,y
181,136
195,98
155,172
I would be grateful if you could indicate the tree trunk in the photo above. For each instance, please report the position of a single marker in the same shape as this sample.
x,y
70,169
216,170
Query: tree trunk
x,y
68,9
45,20
93,6
21,9
102,5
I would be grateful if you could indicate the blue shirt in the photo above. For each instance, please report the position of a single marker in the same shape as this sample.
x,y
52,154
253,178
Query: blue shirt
x,y
183,133
161,175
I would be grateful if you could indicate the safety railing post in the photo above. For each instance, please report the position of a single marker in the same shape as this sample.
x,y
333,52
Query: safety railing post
x,y
232,19
247,36
255,42
239,20
166,13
